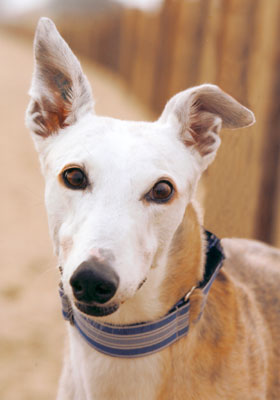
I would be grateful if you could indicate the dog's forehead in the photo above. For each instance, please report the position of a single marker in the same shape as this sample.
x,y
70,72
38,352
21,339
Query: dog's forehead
x,y
116,145
101,140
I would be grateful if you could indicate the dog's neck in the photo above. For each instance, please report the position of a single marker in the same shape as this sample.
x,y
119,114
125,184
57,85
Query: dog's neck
x,y
184,269
185,266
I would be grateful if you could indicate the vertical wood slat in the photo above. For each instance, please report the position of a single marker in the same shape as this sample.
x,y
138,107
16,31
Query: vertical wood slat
x,y
264,83
145,54
274,126
128,43
237,35
167,33
189,35
108,47
211,45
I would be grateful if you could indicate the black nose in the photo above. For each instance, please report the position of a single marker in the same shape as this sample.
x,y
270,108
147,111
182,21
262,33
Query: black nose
x,y
94,281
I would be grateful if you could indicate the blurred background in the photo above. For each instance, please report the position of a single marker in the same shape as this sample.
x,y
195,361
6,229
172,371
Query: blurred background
x,y
136,54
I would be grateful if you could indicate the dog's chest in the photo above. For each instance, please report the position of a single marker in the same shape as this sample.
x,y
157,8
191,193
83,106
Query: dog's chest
x,y
107,378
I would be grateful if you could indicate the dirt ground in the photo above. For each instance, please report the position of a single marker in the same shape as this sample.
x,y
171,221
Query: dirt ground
x,y
32,329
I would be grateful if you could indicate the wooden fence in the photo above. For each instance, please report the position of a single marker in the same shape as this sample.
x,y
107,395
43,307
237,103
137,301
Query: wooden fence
x,y
233,43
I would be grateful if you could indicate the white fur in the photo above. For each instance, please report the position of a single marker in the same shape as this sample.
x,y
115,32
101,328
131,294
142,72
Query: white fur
x,y
123,160
101,377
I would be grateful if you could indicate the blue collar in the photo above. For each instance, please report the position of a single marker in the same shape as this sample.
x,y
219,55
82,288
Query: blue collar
x,y
141,339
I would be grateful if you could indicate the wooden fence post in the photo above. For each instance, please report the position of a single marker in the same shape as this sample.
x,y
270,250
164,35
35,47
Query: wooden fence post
x,y
145,57
209,65
264,84
190,29
167,33
128,42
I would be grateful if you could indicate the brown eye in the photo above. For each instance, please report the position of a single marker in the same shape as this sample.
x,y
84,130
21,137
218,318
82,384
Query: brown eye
x,y
161,192
75,178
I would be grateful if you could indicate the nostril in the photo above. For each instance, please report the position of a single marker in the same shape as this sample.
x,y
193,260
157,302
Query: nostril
x,y
104,291
78,289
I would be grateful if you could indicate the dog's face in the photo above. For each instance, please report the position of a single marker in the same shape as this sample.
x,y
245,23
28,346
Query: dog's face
x,y
116,191
115,194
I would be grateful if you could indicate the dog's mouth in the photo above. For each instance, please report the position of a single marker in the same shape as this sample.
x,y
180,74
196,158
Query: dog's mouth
x,y
96,311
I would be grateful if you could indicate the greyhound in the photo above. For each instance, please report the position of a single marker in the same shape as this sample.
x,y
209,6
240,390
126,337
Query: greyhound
x,y
136,264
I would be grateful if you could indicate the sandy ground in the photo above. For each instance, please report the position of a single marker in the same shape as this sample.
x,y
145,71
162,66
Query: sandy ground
x,y
32,329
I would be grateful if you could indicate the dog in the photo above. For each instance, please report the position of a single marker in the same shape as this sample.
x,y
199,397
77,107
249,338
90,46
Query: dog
x,y
135,261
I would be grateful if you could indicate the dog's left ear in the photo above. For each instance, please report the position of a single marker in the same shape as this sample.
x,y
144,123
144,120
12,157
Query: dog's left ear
x,y
60,92
200,113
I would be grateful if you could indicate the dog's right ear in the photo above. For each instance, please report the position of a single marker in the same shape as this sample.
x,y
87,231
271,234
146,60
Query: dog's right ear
x,y
60,92
199,113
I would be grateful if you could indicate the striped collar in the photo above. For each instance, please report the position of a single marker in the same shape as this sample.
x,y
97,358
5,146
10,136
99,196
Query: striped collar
x,y
141,339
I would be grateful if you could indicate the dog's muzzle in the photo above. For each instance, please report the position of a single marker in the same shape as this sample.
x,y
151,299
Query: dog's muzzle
x,y
141,339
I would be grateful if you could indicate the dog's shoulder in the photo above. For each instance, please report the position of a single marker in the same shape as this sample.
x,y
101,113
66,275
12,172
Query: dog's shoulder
x,y
256,266
252,262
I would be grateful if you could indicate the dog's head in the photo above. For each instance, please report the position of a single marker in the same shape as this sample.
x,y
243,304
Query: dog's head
x,y
116,191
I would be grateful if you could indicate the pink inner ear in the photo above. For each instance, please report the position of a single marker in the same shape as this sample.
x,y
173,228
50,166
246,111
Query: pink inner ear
x,y
49,118
50,114
202,128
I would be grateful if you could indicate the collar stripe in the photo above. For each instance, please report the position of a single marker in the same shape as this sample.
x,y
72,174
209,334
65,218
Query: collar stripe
x,y
134,351
139,340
